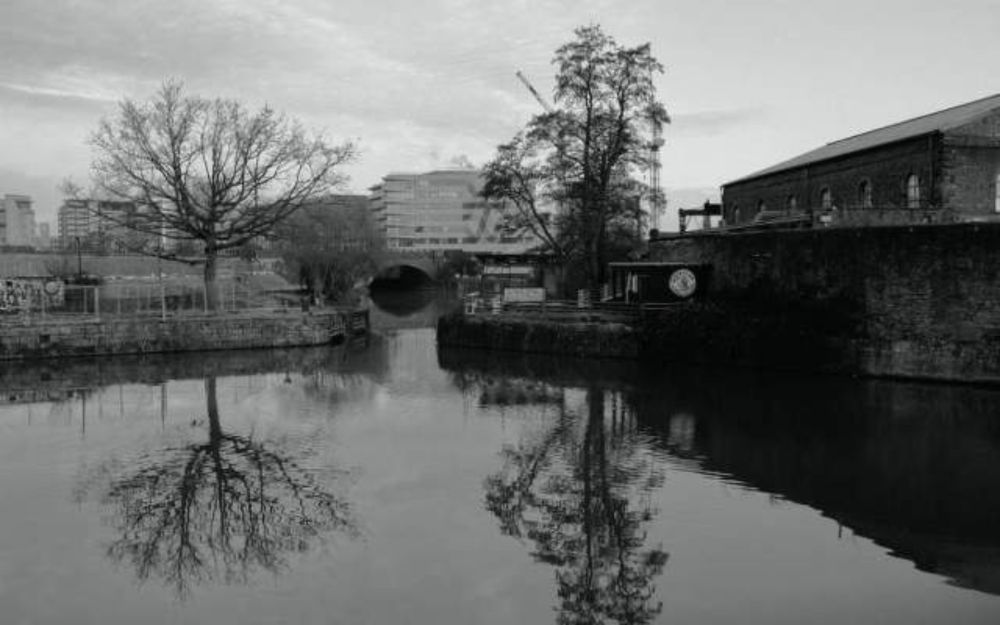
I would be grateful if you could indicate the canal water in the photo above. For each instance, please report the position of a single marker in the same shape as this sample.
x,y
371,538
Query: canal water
x,y
391,481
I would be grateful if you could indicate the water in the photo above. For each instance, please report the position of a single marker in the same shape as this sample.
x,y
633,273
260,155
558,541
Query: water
x,y
392,482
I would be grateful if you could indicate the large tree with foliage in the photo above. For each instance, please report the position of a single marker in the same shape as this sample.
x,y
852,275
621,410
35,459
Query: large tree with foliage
x,y
211,171
584,155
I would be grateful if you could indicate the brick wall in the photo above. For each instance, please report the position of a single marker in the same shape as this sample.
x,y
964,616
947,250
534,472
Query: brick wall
x,y
971,167
885,168
916,301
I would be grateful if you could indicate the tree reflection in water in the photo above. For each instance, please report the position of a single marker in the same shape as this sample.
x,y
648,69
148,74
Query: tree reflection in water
x,y
218,510
582,499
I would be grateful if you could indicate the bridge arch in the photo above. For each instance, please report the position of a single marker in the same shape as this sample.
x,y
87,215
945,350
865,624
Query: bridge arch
x,y
412,269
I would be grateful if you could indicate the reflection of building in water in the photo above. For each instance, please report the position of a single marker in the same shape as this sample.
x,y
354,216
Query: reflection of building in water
x,y
504,391
35,396
913,468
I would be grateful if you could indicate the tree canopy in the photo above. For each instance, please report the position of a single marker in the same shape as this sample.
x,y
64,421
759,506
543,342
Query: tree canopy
x,y
211,171
330,245
573,174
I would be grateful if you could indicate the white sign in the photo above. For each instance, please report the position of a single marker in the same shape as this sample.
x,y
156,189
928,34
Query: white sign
x,y
682,283
524,294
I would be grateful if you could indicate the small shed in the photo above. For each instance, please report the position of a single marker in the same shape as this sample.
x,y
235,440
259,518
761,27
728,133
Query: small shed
x,y
657,282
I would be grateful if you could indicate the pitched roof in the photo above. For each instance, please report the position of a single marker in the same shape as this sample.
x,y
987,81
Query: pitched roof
x,y
934,122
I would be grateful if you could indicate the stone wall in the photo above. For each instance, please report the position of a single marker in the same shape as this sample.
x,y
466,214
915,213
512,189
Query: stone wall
x,y
60,337
523,334
916,301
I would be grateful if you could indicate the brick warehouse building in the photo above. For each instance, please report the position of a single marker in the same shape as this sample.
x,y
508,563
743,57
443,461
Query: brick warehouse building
x,y
941,167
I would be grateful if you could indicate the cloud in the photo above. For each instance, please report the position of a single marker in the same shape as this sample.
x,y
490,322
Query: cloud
x,y
714,122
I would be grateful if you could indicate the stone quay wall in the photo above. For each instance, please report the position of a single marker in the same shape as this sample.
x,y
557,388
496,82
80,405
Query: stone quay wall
x,y
906,301
919,302
64,337
523,334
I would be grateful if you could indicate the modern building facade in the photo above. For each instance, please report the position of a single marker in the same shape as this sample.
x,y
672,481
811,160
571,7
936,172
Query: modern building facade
x,y
17,220
96,225
941,167
441,211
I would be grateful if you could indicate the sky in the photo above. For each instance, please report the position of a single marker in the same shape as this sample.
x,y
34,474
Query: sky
x,y
419,83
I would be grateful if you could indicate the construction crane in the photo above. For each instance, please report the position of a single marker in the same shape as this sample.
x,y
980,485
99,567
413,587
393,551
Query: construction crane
x,y
545,105
657,202
656,196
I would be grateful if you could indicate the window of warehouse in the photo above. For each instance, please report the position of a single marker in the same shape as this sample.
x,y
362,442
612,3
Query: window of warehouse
x,y
912,191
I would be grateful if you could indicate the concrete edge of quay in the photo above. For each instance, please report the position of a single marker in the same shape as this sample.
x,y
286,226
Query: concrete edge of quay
x,y
109,336
510,333
701,334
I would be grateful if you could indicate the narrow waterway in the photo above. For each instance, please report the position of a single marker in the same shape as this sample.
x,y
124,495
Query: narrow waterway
x,y
389,481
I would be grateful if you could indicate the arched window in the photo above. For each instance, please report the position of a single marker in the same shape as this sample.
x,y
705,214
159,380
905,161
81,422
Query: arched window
x,y
825,199
736,213
912,191
996,191
791,204
761,206
865,194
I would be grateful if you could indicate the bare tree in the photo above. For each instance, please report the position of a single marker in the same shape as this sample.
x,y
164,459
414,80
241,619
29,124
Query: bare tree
x,y
218,510
211,171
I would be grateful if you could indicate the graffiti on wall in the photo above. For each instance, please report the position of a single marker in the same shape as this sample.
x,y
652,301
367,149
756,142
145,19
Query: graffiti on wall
x,y
20,294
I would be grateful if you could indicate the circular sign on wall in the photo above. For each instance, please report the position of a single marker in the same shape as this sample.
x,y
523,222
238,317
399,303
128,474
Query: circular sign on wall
x,y
683,283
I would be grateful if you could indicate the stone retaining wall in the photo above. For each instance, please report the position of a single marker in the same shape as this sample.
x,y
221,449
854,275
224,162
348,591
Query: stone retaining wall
x,y
916,301
591,339
138,335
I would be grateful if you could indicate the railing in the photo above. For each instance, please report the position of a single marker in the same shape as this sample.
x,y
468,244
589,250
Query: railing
x,y
55,298
586,308
358,322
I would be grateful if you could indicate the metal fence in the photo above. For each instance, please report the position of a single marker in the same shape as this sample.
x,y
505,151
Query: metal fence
x,y
588,306
55,298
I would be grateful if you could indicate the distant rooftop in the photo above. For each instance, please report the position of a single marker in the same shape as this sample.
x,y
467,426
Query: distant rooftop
x,y
400,174
940,121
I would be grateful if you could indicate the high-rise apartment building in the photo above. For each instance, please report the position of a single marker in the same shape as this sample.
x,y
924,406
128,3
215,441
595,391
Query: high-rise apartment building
x,y
43,236
17,220
442,210
94,223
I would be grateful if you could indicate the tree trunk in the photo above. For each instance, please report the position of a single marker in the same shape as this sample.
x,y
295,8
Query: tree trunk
x,y
212,406
211,287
